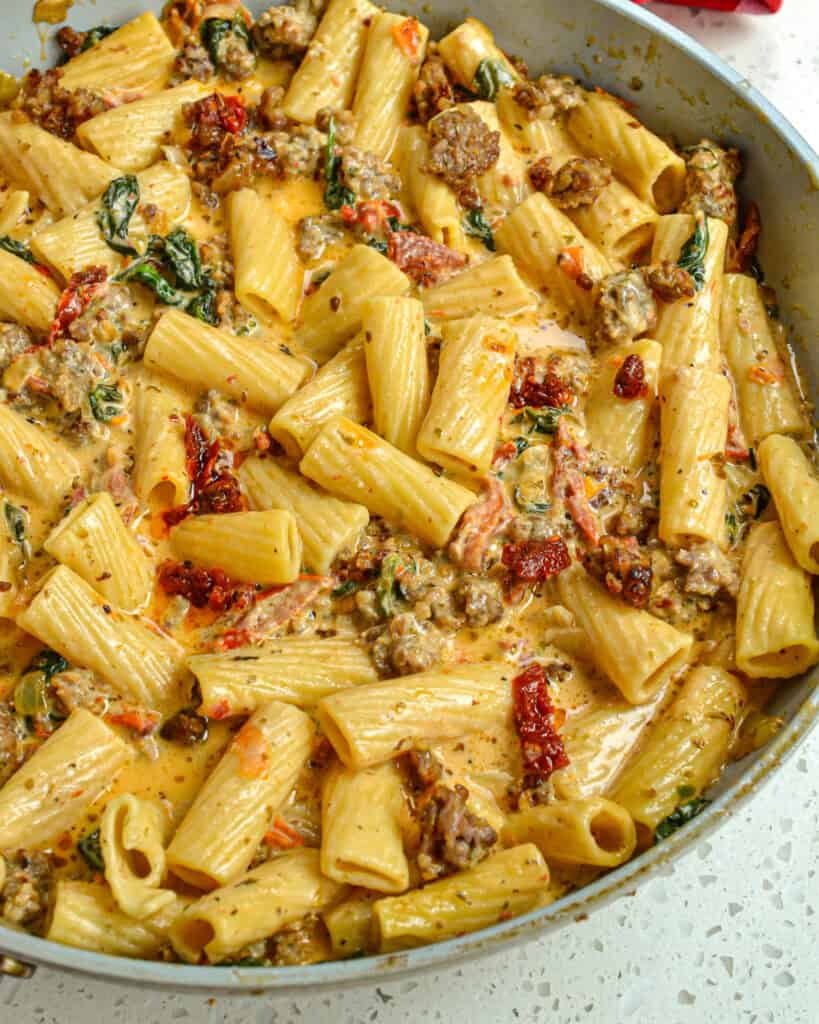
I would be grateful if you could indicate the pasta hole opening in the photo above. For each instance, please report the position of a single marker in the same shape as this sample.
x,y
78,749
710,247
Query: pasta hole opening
x,y
607,832
667,189
138,863
645,836
635,247
163,496
197,933
198,879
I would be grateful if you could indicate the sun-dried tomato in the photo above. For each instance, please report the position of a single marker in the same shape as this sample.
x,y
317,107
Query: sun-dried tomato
x,y
420,258
630,379
528,390
541,745
212,116
215,489
536,560
82,288
623,567
205,588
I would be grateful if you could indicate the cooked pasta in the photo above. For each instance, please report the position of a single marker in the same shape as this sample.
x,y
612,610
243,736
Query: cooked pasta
x,y
406,492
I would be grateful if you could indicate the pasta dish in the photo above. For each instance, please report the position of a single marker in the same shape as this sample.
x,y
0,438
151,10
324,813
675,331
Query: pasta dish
x,y
406,485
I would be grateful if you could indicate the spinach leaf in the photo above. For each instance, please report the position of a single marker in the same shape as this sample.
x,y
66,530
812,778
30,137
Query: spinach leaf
x,y
214,33
427,327
18,249
91,849
49,663
386,590
336,194
543,421
181,253
693,253
521,444
203,306
95,35
536,508
476,226
106,402
679,817
16,520
378,244
489,77
344,589
146,272
119,201
747,507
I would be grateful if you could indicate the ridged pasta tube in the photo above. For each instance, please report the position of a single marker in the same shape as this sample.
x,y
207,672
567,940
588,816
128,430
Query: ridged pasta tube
x,y
379,721
332,315
295,670
256,906
594,831
52,790
326,525
94,541
504,885
27,296
693,429
259,547
356,464
340,388
633,648
460,429
604,128
493,287
160,465
132,839
795,490
249,370
466,47
395,352
218,837
776,637
435,204
686,747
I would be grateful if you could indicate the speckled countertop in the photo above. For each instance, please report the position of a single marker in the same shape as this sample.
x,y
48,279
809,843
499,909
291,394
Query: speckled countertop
x,y
728,936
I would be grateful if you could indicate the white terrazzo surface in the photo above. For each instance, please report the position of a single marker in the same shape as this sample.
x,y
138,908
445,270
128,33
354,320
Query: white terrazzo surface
x,y
729,935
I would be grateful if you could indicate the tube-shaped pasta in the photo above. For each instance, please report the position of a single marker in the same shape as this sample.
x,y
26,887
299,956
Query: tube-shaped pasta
x,y
296,670
132,840
395,51
27,296
64,776
435,204
693,428
685,749
546,243
8,574
94,541
349,924
795,491
247,369
260,904
260,547
395,353
15,205
604,128
221,832
689,329
460,429
31,461
361,839
633,648
467,47
594,831
332,314
160,466
768,402
493,287
268,273
340,388
327,74
130,136
620,225
63,176
379,721
624,427
356,464
86,916
538,136
76,241
325,524
142,664
135,60
506,884
776,637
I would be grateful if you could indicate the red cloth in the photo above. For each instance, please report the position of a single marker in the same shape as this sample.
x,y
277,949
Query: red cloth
x,y
744,6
